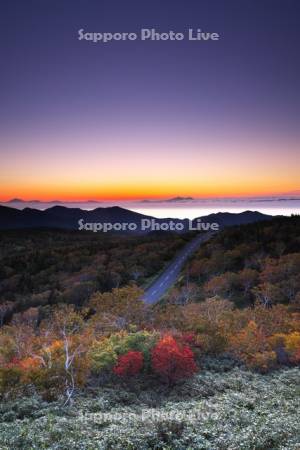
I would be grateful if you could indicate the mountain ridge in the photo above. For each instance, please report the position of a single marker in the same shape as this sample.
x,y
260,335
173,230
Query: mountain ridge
x,y
62,217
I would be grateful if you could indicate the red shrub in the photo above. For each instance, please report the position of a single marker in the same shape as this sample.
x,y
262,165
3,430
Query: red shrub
x,y
172,361
129,364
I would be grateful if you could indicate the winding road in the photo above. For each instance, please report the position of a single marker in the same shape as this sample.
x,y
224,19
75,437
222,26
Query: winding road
x,y
160,286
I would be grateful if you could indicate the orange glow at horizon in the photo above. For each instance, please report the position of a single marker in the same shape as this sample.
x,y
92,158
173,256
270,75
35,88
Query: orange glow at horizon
x,y
120,169
83,193
227,185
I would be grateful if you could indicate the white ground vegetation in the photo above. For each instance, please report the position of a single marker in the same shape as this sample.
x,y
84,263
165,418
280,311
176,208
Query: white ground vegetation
x,y
230,410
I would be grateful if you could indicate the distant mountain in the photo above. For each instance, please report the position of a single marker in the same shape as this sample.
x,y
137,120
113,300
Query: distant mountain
x,y
225,219
67,218
15,200
20,200
169,200
63,217
179,199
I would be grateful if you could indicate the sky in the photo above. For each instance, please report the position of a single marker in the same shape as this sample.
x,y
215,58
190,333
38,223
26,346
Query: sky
x,y
149,119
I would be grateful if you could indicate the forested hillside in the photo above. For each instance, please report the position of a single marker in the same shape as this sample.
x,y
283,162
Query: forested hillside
x,y
206,368
39,268
255,262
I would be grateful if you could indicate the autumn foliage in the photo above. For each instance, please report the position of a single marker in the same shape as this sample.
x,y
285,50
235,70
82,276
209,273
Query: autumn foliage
x,y
64,354
172,361
129,364
252,347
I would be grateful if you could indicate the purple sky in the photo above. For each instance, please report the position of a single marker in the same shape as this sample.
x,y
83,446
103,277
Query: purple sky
x,y
129,119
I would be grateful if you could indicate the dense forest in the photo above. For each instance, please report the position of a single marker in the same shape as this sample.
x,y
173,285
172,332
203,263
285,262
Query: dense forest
x,y
214,365
46,267
255,262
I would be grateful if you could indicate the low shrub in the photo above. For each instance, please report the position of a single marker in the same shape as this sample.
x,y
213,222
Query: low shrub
x,y
129,364
172,361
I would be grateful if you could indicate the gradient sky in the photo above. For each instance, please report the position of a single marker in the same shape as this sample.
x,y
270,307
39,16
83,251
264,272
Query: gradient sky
x,y
149,119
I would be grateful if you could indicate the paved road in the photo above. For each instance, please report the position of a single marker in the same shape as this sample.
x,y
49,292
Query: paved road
x,y
160,286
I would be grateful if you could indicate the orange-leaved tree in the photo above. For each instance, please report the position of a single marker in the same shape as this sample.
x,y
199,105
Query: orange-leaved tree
x,y
253,348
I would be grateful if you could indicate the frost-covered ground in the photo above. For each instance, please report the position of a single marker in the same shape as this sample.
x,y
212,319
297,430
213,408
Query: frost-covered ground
x,y
231,410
